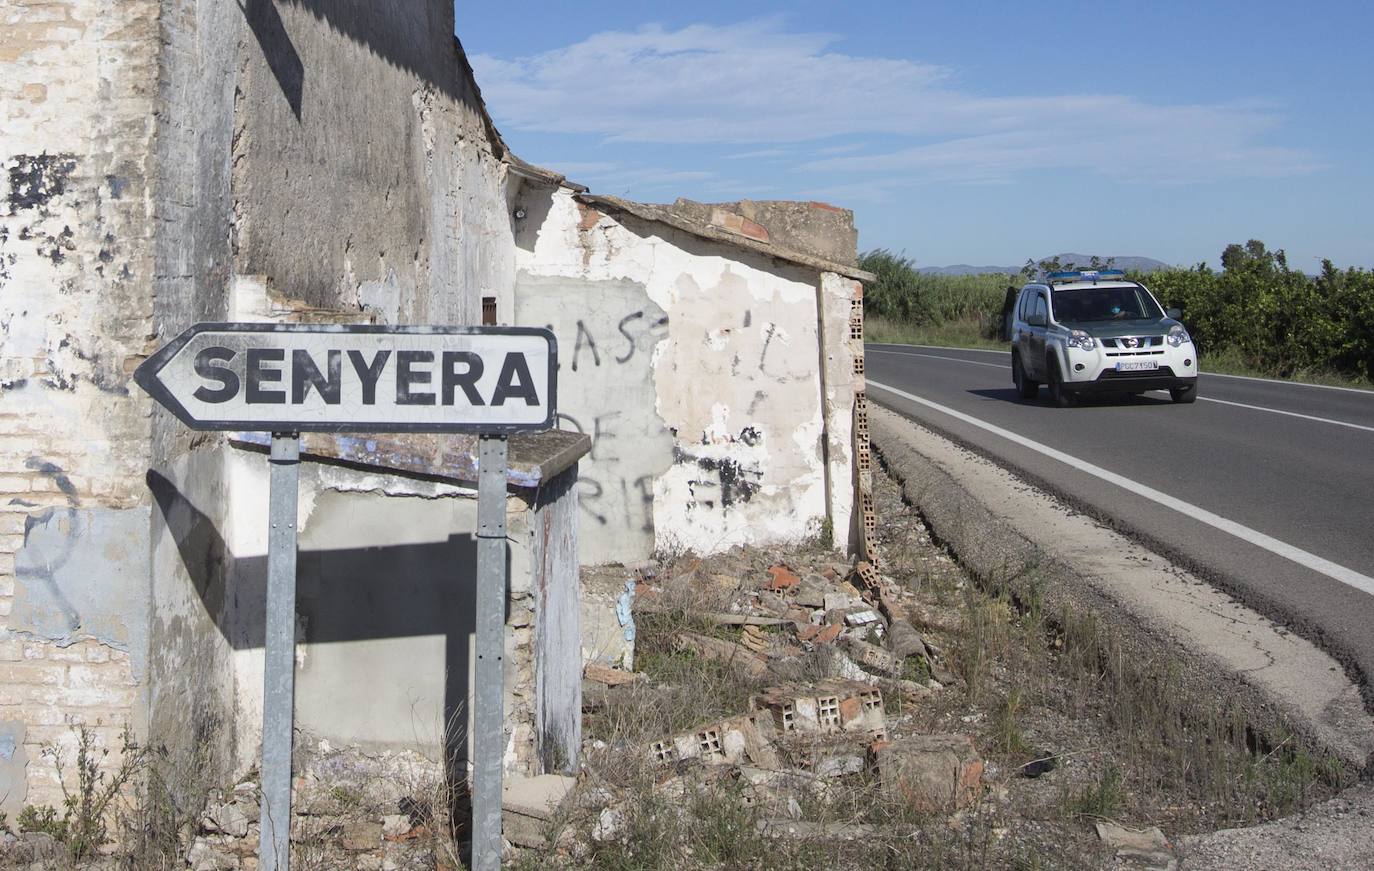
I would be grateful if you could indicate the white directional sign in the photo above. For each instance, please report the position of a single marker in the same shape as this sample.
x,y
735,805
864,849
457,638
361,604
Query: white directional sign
x,y
324,378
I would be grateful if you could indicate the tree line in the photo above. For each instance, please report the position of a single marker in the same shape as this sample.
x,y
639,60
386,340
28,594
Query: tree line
x,y
1276,319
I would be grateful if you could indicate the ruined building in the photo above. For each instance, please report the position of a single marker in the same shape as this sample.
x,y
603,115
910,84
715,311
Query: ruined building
x,y
164,162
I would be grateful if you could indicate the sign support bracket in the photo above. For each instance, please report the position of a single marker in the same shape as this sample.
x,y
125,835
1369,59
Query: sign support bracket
x,y
279,654
488,721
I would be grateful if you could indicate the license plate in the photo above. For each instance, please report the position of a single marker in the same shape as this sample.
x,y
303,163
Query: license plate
x,y
1136,365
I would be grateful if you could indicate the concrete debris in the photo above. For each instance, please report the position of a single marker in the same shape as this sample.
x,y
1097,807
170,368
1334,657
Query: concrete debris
x,y
873,657
826,707
908,690
610,824
861,618
839,602
230,819
395,826
811,592
361,835
1142,847
838,766
747,738
904,640
204,857
529,803
837,665
932,773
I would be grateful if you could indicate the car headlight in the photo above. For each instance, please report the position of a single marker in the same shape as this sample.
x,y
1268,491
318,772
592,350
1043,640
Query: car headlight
x,y
1178,336
1081,340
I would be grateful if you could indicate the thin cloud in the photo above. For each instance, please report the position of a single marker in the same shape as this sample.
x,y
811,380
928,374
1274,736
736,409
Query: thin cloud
x,y
756,83
761,153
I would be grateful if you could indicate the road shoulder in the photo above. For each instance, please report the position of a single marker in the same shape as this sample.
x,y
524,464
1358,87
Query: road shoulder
x,y
1001,527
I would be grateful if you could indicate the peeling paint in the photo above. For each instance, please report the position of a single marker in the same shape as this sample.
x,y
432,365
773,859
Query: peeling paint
x,y
736,386
36,179
13,766
83,573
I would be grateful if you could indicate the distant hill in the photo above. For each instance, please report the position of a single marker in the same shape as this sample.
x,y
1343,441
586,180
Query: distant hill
x,y
1136,264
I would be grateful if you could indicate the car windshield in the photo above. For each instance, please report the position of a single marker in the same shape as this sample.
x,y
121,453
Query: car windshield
x,y
1089,304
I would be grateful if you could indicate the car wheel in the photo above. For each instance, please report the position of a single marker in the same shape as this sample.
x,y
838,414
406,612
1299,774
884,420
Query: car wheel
x,y
1025,388
1060,397
1183,394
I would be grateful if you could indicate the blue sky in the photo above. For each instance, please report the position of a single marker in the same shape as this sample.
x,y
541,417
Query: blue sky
x,y
971,132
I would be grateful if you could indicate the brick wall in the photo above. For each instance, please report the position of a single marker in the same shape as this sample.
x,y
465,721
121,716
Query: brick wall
x,y
77,83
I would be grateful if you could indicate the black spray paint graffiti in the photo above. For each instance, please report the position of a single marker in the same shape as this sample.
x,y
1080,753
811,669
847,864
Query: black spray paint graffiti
x,y
594,493
727,480
635,328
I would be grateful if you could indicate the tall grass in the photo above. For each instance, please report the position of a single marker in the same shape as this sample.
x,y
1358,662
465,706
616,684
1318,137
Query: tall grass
x,y
903,294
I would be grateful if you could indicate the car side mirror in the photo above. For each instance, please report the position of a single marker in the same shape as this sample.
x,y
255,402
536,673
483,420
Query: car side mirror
x,y
1035,320
1174,313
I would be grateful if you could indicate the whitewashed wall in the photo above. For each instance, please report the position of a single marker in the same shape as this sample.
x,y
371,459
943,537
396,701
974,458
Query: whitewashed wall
x,y
696,366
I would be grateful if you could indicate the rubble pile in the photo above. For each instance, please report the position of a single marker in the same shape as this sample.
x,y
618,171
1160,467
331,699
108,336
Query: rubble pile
x,y
830,653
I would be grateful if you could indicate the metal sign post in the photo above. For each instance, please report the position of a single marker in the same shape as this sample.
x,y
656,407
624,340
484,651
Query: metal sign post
x,y
279,655
292,378
488,739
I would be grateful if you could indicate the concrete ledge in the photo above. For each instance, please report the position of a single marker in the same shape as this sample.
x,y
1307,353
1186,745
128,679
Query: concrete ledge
x,y
1001,527
535,457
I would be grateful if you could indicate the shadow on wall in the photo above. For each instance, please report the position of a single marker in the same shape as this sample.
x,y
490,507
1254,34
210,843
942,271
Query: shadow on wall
x,y
404,33
351,594
282,58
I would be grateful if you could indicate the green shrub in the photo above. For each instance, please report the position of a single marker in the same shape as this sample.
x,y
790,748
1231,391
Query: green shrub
x,y
1257,313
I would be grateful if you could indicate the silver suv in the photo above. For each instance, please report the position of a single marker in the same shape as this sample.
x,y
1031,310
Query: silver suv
x,y
1081,332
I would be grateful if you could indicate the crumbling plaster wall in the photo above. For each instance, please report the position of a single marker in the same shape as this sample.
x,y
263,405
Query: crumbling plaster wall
x,y
189,685
77,106
153,150
694,365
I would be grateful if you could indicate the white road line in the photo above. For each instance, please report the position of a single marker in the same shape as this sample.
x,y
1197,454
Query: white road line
x,y
1365,391
1350,577
1289,413
1203,398
939,357
1006,350
1292,383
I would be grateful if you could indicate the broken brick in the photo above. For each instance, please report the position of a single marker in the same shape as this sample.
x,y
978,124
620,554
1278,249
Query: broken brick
x,y
611,677
931,773
850,709
829,633
783,578
827,706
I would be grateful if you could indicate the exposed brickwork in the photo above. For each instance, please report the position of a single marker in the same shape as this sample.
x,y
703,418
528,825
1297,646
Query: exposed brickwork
x,y
54,691
863,455
77,84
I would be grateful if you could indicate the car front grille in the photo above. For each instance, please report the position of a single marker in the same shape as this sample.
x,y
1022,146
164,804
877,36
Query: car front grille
x,y
1145,342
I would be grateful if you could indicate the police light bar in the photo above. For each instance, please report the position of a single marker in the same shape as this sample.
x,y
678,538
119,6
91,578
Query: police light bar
x,y
1085,275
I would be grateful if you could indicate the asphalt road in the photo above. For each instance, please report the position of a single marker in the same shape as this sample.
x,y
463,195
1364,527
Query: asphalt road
x,y
1265,488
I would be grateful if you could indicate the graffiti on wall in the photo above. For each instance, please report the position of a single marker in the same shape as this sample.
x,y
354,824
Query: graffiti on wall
x,y
607,335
